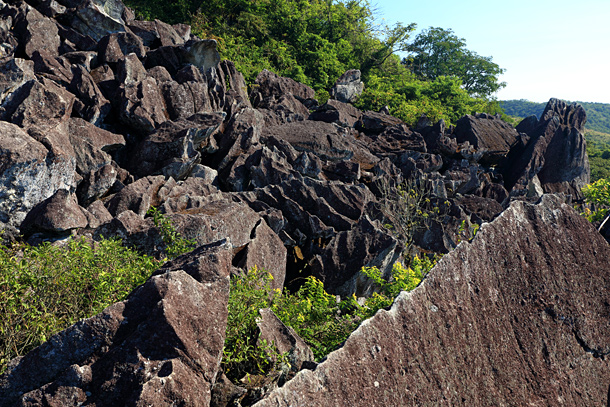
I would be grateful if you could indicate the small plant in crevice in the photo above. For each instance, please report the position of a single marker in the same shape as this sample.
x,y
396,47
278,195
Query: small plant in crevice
x,y
175,244
409,208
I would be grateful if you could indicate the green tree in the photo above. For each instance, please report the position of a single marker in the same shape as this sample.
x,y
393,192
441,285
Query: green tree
x,y
439,52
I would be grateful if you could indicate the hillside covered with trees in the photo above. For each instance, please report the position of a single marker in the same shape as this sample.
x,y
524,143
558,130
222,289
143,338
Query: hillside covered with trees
x,y
316,41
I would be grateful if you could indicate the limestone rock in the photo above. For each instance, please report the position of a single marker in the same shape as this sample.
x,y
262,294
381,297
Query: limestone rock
x,y
28,173
58,214
517,316
348,87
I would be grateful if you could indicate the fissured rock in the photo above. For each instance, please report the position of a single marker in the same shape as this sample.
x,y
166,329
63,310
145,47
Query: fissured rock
x,y
493,323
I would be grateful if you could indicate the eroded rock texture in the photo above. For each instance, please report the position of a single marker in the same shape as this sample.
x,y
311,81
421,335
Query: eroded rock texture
x,y
519,316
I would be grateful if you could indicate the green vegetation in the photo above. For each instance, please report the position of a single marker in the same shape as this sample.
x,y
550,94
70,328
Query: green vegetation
x,y
323,321
175,244
597,194
315,41
438,52
47,288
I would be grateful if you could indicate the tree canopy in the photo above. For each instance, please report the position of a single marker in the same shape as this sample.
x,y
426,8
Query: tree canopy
x,y
316,41
439,52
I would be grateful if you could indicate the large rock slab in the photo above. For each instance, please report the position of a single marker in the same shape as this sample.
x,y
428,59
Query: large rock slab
x,y
517,317
161,346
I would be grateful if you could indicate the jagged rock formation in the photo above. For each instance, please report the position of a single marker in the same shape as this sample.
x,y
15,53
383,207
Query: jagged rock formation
x,y
103,116
518,316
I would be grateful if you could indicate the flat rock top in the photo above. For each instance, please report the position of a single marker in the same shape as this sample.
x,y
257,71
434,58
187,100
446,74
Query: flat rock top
x,y
519,316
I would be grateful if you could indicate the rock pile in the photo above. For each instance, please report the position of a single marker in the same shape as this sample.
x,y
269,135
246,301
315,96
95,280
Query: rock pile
x,y
103,117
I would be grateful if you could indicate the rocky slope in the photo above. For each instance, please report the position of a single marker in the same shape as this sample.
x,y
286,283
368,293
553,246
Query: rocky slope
x,y
103,116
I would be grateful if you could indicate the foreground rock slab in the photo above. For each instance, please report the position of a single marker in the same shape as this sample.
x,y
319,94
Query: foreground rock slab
x,y
519,316
159,347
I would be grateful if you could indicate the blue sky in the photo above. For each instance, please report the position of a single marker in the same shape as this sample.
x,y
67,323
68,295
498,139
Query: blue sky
x,y
549,48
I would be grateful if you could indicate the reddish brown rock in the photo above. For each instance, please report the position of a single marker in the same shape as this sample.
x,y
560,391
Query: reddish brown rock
x,y
161,346
142,106
270,85
518,316
555,152
41,103
58,214
284,338
338,112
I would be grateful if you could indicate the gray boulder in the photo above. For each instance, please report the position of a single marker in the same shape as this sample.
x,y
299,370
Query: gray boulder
x,y
348,87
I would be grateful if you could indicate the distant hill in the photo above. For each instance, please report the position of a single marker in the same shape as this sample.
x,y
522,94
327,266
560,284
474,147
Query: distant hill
x,y
597,130
598,114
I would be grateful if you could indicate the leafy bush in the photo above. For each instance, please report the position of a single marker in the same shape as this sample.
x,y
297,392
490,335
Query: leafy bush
x,y
47,288
598,195
249,293
321,319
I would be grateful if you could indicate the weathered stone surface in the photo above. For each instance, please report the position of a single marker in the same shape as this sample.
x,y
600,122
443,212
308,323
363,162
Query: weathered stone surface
x,y
90,104
142,106
28,173
98,18
516,317
202,54
52,67
348,87
490,135
36,32
366,245
269,85
266,251
373,122
285,339
156,33
58,214
13,74
160,346
175,144
327,141
338,112
137,197
40,103
114,47
555,152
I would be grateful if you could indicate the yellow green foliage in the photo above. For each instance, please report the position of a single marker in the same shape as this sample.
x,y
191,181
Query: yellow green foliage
x,y
323,320
598,195
47,288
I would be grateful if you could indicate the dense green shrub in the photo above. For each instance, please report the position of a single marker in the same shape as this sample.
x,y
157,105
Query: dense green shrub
x,y
598,195
47,288
323,320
